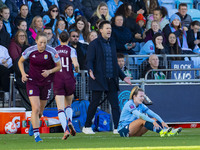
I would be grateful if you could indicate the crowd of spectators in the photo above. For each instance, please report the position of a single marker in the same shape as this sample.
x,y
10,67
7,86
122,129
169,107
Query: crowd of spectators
x,y
138,27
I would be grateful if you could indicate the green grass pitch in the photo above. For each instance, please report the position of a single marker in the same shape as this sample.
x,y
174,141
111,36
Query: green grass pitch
x,y
189,139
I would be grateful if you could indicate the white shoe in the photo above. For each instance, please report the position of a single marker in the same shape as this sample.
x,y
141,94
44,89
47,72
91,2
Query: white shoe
x,y
88,130
115,131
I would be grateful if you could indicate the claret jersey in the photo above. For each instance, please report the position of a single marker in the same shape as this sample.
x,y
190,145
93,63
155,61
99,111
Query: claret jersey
x,y
41,61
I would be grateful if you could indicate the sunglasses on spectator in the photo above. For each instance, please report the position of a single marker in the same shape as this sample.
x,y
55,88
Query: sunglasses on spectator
x,y
75,36
54,10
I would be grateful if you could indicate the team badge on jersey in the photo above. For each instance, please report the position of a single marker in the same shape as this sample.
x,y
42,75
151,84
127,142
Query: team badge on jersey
x,y
131,106
56,56
45,56
30,92
151,47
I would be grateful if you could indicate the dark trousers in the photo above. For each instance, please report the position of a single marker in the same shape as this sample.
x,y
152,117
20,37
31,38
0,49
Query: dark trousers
x,y
112,97
5,78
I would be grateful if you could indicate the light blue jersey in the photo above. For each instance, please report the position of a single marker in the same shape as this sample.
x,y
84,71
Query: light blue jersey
x,y
130,113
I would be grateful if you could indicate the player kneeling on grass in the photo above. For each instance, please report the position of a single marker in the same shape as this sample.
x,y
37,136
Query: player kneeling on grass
x,y
64,84
135,122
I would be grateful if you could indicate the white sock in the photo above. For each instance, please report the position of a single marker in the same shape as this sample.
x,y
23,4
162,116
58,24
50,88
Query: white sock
x,y
36,132
62,118
68,111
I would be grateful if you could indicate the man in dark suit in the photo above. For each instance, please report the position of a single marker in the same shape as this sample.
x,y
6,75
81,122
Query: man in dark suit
x,y
104,71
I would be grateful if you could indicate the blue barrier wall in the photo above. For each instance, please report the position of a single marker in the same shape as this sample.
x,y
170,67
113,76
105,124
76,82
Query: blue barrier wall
x,y
174,103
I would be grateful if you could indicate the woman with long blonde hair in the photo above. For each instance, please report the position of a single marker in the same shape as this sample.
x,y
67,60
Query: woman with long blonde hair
x,y
35,27
101,13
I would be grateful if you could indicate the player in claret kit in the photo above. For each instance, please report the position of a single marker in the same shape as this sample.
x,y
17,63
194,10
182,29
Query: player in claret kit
x,y
135,122
64,84
44,62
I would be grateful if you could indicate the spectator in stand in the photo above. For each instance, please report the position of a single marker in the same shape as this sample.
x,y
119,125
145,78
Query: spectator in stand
x,y
150,5
2,4
50,19
101,12
23,15
90,7
35,27
129,17
138,6
68,15
14,6
154,46
81,26
80,48
154,64
159,14
193,37
18,44
175,27
60,27
155,27
5,69
173,47
96,27
91,36
124,40
8,26
4,36
113,5
141,22
21,24
121,63
75,3
51,38
182,13
38,8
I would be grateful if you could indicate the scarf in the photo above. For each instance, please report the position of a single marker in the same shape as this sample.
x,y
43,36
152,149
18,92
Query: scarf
x,y
184,44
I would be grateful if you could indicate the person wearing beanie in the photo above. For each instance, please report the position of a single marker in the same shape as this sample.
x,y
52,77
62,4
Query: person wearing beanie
x,y
141,22
175,27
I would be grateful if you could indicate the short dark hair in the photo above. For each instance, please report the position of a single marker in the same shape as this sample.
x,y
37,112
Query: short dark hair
x,y
102,24
182,5
120,55
20,21
64,36
193,23
48,28
163,11
23,5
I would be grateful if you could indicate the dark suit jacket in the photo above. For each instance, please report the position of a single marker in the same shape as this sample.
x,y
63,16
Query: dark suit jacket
x,y
191,38
95,61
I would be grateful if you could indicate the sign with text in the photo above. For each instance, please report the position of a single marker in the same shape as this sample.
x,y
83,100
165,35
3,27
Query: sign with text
x,y
182,74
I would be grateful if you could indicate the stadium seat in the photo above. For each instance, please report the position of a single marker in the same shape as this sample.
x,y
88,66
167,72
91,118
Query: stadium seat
x,y
197,4
188,2
171,12
169,4
194,13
